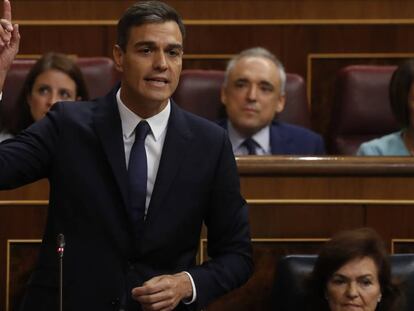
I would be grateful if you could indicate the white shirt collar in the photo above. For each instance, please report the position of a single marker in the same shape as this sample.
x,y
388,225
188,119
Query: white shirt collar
x,y
262,138
130,120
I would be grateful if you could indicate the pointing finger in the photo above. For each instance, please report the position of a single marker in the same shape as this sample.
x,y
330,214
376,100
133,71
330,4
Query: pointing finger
x,y
7,11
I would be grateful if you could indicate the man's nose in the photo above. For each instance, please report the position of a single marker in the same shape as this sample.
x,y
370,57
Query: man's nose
x,y
160,61
252,93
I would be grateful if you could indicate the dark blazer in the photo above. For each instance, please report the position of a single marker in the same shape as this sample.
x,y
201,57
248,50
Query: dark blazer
x,y
289,139
79,147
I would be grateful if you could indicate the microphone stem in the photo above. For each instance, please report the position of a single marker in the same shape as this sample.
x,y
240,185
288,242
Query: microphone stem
x,y
60,283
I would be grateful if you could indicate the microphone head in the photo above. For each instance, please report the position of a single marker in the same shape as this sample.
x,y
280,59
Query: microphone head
x,y
60,244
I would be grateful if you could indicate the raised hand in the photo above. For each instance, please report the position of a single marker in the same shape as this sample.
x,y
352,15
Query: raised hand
x,y
9,41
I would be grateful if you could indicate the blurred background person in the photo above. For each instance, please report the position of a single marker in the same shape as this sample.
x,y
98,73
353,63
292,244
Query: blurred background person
x,y
352,272
253,94
401,94
54,77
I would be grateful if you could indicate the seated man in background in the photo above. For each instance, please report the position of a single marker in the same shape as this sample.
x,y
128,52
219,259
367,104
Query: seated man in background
x,y
253,93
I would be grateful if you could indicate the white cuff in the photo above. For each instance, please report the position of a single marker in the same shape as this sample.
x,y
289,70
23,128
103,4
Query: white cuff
x,y
188,301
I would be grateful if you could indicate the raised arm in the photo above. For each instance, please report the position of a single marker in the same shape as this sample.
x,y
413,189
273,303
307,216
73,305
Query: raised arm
x,y
9,41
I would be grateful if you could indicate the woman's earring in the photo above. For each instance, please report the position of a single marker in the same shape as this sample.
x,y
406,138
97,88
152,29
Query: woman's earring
x,y
379,298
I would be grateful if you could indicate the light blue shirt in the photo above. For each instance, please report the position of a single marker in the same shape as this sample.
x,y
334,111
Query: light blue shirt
x,y
388,145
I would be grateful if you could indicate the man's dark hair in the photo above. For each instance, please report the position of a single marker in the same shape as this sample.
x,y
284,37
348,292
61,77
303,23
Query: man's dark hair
x,y
146,12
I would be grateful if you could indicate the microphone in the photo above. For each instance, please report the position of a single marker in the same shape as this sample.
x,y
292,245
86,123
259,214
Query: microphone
x,y
60,250
60,245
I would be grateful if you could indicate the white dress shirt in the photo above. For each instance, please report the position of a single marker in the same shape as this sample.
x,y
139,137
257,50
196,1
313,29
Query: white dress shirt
x,y
261,138
153,147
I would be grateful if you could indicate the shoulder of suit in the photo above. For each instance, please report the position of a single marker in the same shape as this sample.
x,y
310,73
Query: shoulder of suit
x,y
293,129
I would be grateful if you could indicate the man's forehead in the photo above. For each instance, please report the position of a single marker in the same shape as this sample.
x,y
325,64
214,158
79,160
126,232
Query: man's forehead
x,y
165,32
257,68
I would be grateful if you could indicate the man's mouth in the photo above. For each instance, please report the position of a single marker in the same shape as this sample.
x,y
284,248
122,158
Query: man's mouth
x,y
157,81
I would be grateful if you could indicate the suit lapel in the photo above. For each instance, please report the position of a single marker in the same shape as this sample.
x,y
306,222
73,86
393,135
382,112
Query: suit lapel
x,y
279,144
173,155
109,130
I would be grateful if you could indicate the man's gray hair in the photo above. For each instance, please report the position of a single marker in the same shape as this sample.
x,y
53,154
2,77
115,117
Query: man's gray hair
x,y
262,53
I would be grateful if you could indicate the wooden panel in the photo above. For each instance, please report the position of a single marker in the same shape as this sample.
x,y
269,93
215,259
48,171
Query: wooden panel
x,y
36,191
18,220
21,257
78,40
221,9
394,222
402,246
278,220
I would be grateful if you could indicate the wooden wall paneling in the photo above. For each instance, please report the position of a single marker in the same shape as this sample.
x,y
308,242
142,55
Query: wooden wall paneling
x,y
35,191
313,219
79,40
334,188
18,220
21,257
221,9
402,246
393,221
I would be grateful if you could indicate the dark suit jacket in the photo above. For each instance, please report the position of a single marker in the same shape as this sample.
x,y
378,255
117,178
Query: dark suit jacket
x,y
289,139
79,147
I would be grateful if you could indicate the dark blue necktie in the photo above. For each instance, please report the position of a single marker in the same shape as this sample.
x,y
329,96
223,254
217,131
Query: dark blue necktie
x,y
250,145
137,174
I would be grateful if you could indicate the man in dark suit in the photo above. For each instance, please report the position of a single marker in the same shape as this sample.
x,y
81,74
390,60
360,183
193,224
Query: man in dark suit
x,y
129,248
253,94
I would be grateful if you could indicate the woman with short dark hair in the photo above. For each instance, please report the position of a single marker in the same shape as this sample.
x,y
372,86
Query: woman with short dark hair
x,y
352,272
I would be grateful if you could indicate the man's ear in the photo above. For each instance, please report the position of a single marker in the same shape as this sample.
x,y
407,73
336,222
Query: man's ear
x,y
280,105
118,55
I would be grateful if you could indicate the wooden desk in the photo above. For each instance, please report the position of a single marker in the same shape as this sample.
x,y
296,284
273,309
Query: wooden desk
x,y
295,205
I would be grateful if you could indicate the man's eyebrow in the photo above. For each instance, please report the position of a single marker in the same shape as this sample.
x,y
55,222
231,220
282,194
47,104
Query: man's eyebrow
x,y
175,46
241,80
153,44
266,83
144,43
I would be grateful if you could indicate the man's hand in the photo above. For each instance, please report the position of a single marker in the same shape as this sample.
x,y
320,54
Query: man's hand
x,y
164,292
9,41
